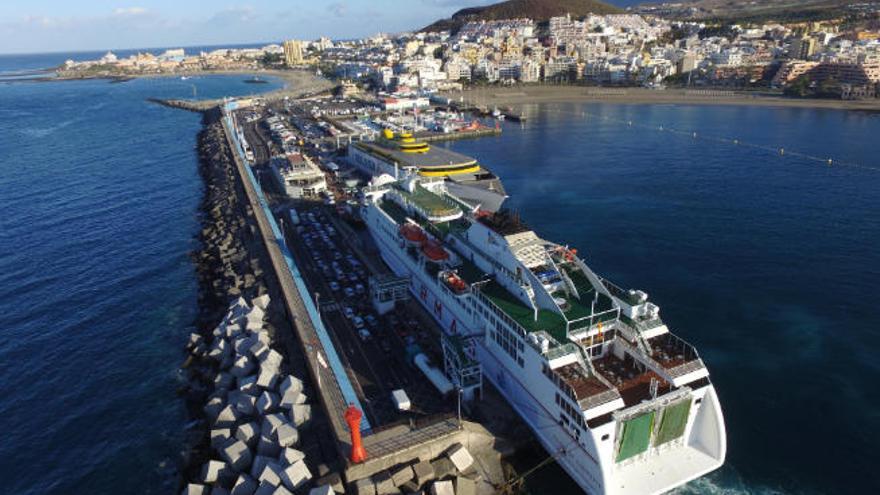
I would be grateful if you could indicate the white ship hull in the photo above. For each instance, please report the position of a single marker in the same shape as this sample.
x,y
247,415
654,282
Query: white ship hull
x,y
588,456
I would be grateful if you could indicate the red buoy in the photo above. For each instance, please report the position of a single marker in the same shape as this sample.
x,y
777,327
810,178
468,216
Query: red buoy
x,y
353,418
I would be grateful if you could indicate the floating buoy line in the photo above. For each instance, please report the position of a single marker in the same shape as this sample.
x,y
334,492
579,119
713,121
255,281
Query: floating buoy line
x,y
775,150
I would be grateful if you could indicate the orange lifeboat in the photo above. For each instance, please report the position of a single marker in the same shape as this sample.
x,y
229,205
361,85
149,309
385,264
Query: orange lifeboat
x,y
434,251
413,233
455,282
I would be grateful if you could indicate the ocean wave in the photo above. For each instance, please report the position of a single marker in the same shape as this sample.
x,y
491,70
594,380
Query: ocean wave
x,y
41,132
712,486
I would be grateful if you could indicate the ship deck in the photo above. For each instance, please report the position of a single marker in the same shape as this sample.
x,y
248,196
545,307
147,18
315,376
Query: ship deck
x,y
548,321
431,203
583,385
633,383
434,157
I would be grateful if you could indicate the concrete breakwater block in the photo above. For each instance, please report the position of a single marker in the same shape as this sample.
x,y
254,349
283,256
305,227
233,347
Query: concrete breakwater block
x,y
233,330
242,366
248,433
194,489
402,475
290,390
287,435
213,408
243,403
228,417
266,488
219,437
384,484
271,472
321,490
268,378
194,341
290,456
460,457
295,475
365,486
267,403
332,480
237,454
248,385
216,471
258,465
243,343
261,302
424,472
443,467
219,349
271,422
244,485
257,349
300,414
442,488
223,381
268,446
271,360
464,486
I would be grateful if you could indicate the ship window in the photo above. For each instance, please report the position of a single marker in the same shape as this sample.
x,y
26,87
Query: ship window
x,y
605,437
698,400
520,361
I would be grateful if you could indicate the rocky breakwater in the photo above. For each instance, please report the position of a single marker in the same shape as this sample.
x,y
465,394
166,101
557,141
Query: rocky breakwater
x,y
248,409
255,411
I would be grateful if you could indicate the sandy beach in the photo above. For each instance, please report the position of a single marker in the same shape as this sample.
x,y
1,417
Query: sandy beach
x,y
297,83
522,95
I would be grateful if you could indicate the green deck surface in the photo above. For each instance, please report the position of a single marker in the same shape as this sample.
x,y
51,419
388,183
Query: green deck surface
x,y
548,321
394,211
432,203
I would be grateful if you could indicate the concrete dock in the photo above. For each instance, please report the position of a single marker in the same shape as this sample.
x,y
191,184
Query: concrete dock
x,y
390,450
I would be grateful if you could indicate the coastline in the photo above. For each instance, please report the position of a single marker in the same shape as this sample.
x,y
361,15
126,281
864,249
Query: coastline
x,y
296,83
524,95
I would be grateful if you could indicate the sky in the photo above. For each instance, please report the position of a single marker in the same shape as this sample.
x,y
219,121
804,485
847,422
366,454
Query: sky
x,y
39,26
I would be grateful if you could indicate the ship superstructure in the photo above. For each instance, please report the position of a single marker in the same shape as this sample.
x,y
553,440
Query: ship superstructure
x,y
401,155
624,405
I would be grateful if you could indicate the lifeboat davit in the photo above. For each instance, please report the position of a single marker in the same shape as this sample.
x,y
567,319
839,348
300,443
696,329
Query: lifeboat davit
x,y
434,251
413,233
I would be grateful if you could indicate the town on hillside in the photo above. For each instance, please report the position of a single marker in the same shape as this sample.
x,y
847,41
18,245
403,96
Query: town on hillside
x,y
838,58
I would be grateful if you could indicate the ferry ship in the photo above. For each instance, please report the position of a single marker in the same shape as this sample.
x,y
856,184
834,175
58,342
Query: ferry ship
x,y
397,156
621,403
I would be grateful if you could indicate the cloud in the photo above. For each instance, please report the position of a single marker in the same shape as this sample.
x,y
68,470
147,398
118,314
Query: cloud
x,y
234,15
129,11
338,9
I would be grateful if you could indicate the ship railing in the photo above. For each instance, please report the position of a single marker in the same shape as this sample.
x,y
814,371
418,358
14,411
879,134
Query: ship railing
x,y
558,351
636,328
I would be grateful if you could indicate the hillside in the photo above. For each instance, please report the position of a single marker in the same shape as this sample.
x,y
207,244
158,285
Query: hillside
x,y
757,10
539,10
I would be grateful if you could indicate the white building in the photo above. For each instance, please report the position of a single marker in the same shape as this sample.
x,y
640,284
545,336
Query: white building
x,y
298,176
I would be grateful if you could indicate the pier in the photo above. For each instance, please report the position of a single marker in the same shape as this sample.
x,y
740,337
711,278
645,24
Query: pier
x,y
394,449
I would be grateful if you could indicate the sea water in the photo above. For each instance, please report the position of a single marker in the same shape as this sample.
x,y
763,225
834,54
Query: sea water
x,y
99,192
766,261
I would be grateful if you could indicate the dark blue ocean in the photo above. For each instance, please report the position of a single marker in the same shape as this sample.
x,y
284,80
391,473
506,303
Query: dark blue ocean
x,y
768,263
99,192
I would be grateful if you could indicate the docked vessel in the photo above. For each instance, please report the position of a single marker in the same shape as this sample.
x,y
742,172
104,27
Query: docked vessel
x,y
398,156
621,403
